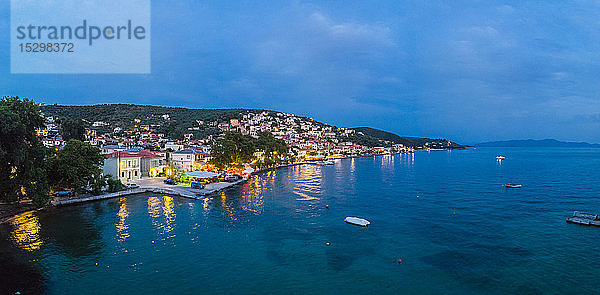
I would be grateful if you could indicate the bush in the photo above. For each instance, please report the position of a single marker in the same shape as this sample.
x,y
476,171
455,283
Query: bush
x,y
114,185
98,183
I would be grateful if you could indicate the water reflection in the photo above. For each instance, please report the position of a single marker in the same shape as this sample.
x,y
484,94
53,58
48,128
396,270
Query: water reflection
x,y
306,181
154,208
252,197
162,213
26,231
169,212
122,226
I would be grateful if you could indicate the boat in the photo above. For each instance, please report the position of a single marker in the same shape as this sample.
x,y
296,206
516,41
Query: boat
x,y
329,162
512,185
500,158
584,219
357,221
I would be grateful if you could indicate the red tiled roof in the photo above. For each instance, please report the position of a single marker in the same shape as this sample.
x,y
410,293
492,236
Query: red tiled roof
x,y
147,154
123,155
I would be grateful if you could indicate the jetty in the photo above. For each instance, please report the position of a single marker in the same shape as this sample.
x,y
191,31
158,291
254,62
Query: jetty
x,y
153,186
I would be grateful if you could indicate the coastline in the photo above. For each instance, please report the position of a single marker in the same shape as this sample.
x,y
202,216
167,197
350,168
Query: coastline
x,y
155,185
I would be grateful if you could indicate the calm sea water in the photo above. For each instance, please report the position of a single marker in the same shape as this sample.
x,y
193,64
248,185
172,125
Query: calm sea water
x,y
465,234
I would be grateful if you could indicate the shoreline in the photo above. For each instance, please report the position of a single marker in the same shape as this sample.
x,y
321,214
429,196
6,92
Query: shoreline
x,y
155,185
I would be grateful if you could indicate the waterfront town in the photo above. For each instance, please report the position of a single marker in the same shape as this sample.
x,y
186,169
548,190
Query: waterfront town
x,y
142,151
57,152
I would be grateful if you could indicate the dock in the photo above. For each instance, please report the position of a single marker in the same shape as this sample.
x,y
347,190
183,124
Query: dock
x,y
154,186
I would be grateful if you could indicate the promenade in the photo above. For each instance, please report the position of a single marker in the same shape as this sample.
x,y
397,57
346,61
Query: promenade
x,y
155,186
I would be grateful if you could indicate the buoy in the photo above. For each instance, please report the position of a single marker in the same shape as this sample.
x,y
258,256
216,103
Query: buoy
x,y
96,263
327,206
417,196
328,244
152,242
399,260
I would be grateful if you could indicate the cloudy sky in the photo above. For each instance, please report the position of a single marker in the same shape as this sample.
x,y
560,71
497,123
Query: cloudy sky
x,y
466,70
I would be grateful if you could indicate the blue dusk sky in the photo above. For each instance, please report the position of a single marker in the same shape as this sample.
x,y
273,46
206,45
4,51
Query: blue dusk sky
x,y
470,71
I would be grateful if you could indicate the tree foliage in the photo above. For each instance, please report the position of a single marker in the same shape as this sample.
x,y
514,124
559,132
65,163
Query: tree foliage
x,y
275,151
114,185
236,150
21,152
72,129
232,150
75,166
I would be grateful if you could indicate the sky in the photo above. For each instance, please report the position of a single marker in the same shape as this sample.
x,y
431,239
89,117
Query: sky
x,y
470,71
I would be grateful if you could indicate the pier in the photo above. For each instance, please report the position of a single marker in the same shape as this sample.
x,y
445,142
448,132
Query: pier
x,y
153,186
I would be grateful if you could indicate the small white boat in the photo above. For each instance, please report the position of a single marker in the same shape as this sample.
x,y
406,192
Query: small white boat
x,y
357,221
512,185
500,158
584,219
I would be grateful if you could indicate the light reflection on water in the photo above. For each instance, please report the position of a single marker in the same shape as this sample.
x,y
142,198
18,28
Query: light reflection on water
x,y
26,232
169,212
306,182
264,234
122,226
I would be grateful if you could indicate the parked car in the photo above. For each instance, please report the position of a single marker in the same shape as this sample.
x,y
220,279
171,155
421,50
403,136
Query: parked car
x,y
132,185
64,193
233,178
169,181
196,185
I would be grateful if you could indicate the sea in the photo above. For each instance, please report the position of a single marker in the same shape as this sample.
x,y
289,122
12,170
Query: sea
x,y
442,222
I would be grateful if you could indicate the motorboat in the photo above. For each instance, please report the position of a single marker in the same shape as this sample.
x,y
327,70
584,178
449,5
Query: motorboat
x,y
500,158
584,218
512,185
357,221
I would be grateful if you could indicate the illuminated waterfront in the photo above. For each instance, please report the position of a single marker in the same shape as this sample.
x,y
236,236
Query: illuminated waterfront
x,y
465,234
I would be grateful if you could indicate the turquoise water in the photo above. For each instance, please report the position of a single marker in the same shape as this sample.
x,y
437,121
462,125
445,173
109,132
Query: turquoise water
x,y
465,234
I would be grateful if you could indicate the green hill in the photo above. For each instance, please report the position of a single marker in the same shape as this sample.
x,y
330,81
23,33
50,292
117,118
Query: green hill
x,y
127,116
416,142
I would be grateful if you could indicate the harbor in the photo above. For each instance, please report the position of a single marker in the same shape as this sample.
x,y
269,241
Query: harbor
x,y
154,186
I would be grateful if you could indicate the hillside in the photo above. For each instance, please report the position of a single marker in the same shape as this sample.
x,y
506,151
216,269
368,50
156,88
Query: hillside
x,y
127,116
537,143
407,141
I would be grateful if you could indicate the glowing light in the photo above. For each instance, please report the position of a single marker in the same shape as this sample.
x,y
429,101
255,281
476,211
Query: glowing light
x,y
169,213
122,226
26,233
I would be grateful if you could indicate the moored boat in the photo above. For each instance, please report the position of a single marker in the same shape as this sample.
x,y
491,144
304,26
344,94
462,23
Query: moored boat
x,y
500,158
583,218
512,185
357,221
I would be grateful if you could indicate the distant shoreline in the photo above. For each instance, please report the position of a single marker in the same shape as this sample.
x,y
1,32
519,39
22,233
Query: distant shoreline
x,y
532,143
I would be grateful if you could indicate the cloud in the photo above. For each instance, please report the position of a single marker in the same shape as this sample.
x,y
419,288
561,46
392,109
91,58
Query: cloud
x,y
314,42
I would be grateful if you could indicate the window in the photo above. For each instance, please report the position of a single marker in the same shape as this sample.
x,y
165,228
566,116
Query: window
x,y
123,174
135,173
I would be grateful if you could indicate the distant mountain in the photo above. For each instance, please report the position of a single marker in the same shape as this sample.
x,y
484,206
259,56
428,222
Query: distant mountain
x,y
537,143
408,141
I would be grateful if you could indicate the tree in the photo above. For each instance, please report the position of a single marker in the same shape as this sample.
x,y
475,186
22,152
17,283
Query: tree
x,y
21,152
98,182
232,150
275,150
75,166
73,129
114,185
